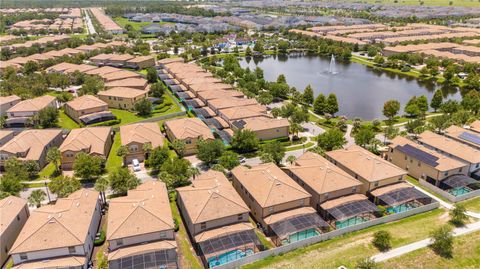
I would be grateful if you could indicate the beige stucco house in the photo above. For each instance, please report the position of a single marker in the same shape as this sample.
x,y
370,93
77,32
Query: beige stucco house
x,y
135,136
14,213
122,97
188,130
84,105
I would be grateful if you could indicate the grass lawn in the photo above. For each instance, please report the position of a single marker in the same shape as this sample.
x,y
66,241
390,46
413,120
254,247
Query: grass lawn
x,y
348,249
306,146
35,185
457,3
415,182
65,121
114,161
47,171
466,254
186,253
472,204
263,239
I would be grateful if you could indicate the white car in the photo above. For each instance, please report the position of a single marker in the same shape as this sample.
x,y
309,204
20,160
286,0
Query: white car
x,y
136,165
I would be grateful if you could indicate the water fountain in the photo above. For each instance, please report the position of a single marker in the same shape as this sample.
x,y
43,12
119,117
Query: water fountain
x,y
332,69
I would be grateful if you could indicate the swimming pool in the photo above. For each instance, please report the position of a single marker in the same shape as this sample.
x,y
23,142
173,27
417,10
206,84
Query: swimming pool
x,y
459,191
399,208
228,257
300,236
349,222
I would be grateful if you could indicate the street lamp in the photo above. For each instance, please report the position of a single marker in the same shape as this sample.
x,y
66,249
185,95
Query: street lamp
x,y
48,194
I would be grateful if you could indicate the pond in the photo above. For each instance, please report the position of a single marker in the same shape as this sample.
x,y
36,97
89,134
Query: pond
x,y
361,90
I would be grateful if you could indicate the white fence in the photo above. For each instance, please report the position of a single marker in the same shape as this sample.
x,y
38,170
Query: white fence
x,y
450,197
326,236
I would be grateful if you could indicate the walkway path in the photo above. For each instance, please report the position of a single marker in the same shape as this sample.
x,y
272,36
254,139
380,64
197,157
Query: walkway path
x,y
396,252
88,21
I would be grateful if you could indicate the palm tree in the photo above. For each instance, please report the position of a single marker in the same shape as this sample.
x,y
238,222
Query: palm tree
x,y
54,156
147,147
122,151
36,197
179,147
101,185
295,128
193,171
291,159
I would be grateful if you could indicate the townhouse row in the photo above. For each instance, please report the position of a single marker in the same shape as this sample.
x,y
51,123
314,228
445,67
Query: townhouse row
x,y
222,108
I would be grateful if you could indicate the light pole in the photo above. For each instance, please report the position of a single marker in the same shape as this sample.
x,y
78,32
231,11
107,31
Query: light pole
x,y
48,193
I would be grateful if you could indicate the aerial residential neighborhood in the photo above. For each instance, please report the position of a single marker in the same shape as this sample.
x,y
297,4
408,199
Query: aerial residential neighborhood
x,y
240,134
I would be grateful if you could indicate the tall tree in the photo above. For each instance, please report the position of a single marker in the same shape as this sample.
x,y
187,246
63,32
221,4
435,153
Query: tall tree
x,y
88,167
437,100
152,75
121,180
364,136
390,109
331,104
209,150
275,151
422,104
244,140
229,160
179,147
320,104
54,156
143,107
442,241
308,95
101,185
331,139
46,117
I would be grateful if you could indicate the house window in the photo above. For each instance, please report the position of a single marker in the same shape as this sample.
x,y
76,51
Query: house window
x,y
391,150
71,250
406,157
326,195
203,225
302,202
270,209
163,234
446,173
400,179
18,217
23,256
119,242
376,184
354,189
478,164
419,164
188,141
240,217
460,170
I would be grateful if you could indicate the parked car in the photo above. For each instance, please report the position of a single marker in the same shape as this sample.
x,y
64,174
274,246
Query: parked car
x,y
242,159
136,165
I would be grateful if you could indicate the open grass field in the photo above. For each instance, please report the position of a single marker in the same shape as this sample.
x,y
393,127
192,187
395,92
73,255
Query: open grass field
x,y
348,249
65,121
466,255
472,204
456,3
137,26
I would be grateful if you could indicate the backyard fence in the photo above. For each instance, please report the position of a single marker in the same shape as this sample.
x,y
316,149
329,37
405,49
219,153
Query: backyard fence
x,y
326,236
450,197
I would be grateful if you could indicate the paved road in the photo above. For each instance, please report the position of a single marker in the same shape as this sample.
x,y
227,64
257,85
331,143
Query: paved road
x,y
25,193
88,21
348,137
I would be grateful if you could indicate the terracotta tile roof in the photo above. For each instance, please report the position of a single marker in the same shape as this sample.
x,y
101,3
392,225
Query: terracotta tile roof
x,y
389,188
211,196
5,133
128,82
86,102
189,128
124,92
269,185
120,57
62,262
210,87
140,59
122,74
145,210
219,94
443,163
231,102
366,164
288,214
32,142
10,207
224,230
101,57
170,60
450,146
242,112
91,140
69,220
264,123
343,200
142,248
61,67
455,132
191,81
146,132
321,175
103,70
7,99
475,126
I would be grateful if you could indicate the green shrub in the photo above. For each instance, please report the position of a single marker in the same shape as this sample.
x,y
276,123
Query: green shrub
x,y
176,226
107,123
101,239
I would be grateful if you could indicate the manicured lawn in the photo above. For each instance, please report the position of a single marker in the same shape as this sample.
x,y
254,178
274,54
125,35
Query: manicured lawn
x,y
306,146
348,249
114,161
187,257
466,254
65,121
415,182
137,26
472,204
47,171
35,185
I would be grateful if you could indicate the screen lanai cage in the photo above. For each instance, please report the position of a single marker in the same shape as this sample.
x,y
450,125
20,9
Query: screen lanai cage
x,y
165,259
227,248
459,185
351,213
297,228
403,200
